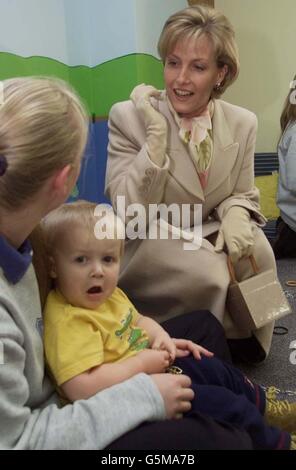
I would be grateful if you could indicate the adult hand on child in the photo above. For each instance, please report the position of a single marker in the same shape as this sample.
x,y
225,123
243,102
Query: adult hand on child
x,y
185,347
155,123
176,393
236,233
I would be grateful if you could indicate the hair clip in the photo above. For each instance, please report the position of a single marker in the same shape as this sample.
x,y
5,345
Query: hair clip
x,y
3,165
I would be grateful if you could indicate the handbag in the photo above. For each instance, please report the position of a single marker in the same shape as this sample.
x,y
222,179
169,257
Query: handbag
x,y
256,301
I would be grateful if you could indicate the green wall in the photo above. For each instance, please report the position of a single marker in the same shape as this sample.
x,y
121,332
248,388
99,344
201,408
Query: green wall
x,y
99,86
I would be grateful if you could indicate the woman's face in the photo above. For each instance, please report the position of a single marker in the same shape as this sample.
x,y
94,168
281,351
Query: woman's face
x,y
190,74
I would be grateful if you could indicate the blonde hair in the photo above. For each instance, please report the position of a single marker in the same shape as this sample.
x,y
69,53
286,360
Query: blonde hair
x,y
289,111
81,213
43,127
200,20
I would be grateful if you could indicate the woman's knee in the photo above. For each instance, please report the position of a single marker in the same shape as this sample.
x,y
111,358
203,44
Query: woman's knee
x,y
204,322
210,323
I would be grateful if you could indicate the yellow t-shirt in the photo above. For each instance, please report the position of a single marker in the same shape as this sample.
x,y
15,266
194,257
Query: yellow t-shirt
x,y
77,339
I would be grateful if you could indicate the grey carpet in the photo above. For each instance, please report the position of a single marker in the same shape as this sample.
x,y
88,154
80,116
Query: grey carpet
x,y
277,369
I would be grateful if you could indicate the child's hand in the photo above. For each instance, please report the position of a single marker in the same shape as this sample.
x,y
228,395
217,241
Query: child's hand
x,y
185,347
154,362
164,342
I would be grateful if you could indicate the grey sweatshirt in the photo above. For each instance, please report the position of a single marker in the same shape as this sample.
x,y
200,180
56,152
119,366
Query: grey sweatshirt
x,y
286,196
30,417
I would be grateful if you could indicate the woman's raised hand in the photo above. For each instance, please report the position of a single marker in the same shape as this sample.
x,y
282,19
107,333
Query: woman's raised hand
x,y
155,122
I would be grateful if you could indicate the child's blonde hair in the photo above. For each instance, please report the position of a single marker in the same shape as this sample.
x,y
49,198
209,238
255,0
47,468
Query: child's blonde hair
x,y
43,127
82,213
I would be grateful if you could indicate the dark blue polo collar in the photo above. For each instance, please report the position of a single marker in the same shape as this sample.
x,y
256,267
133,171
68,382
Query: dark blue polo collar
x,y
15,262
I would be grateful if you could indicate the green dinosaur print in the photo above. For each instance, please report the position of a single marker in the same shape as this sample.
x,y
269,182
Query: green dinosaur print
x,y
134,336
126,323
139,346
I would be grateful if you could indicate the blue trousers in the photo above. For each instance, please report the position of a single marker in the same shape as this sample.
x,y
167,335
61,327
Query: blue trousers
x,y
225,394
196,431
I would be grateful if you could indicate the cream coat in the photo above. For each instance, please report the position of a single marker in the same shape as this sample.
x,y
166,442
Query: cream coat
x,y
162,278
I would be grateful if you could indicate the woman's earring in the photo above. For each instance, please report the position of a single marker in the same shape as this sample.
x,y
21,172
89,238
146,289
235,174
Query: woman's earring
x,y
217,86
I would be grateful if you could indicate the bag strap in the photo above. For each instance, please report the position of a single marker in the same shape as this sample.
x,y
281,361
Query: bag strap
x,y
231,268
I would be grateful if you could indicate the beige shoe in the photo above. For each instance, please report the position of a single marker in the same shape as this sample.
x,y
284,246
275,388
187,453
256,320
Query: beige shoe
x,y
280,413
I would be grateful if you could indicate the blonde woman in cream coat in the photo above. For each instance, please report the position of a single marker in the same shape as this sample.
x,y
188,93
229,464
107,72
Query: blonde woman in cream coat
x,y
184,145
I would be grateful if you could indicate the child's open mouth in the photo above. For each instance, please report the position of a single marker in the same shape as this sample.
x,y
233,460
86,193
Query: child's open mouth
x,y
95,290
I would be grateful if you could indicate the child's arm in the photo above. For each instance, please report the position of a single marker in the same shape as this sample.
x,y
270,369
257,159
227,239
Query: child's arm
x,y
158,337
98,378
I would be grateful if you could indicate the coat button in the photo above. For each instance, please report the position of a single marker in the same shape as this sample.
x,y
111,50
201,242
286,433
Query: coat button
x,y
143,189
146,180
150,172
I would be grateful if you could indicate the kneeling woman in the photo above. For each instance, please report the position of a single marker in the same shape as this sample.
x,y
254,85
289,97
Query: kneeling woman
x,y
186,146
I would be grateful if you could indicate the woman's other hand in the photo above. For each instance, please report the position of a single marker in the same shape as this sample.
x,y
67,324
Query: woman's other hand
x,y
236,233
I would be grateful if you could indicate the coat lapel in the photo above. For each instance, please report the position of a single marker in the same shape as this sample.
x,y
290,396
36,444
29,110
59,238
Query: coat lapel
x,y
225,150
182,168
